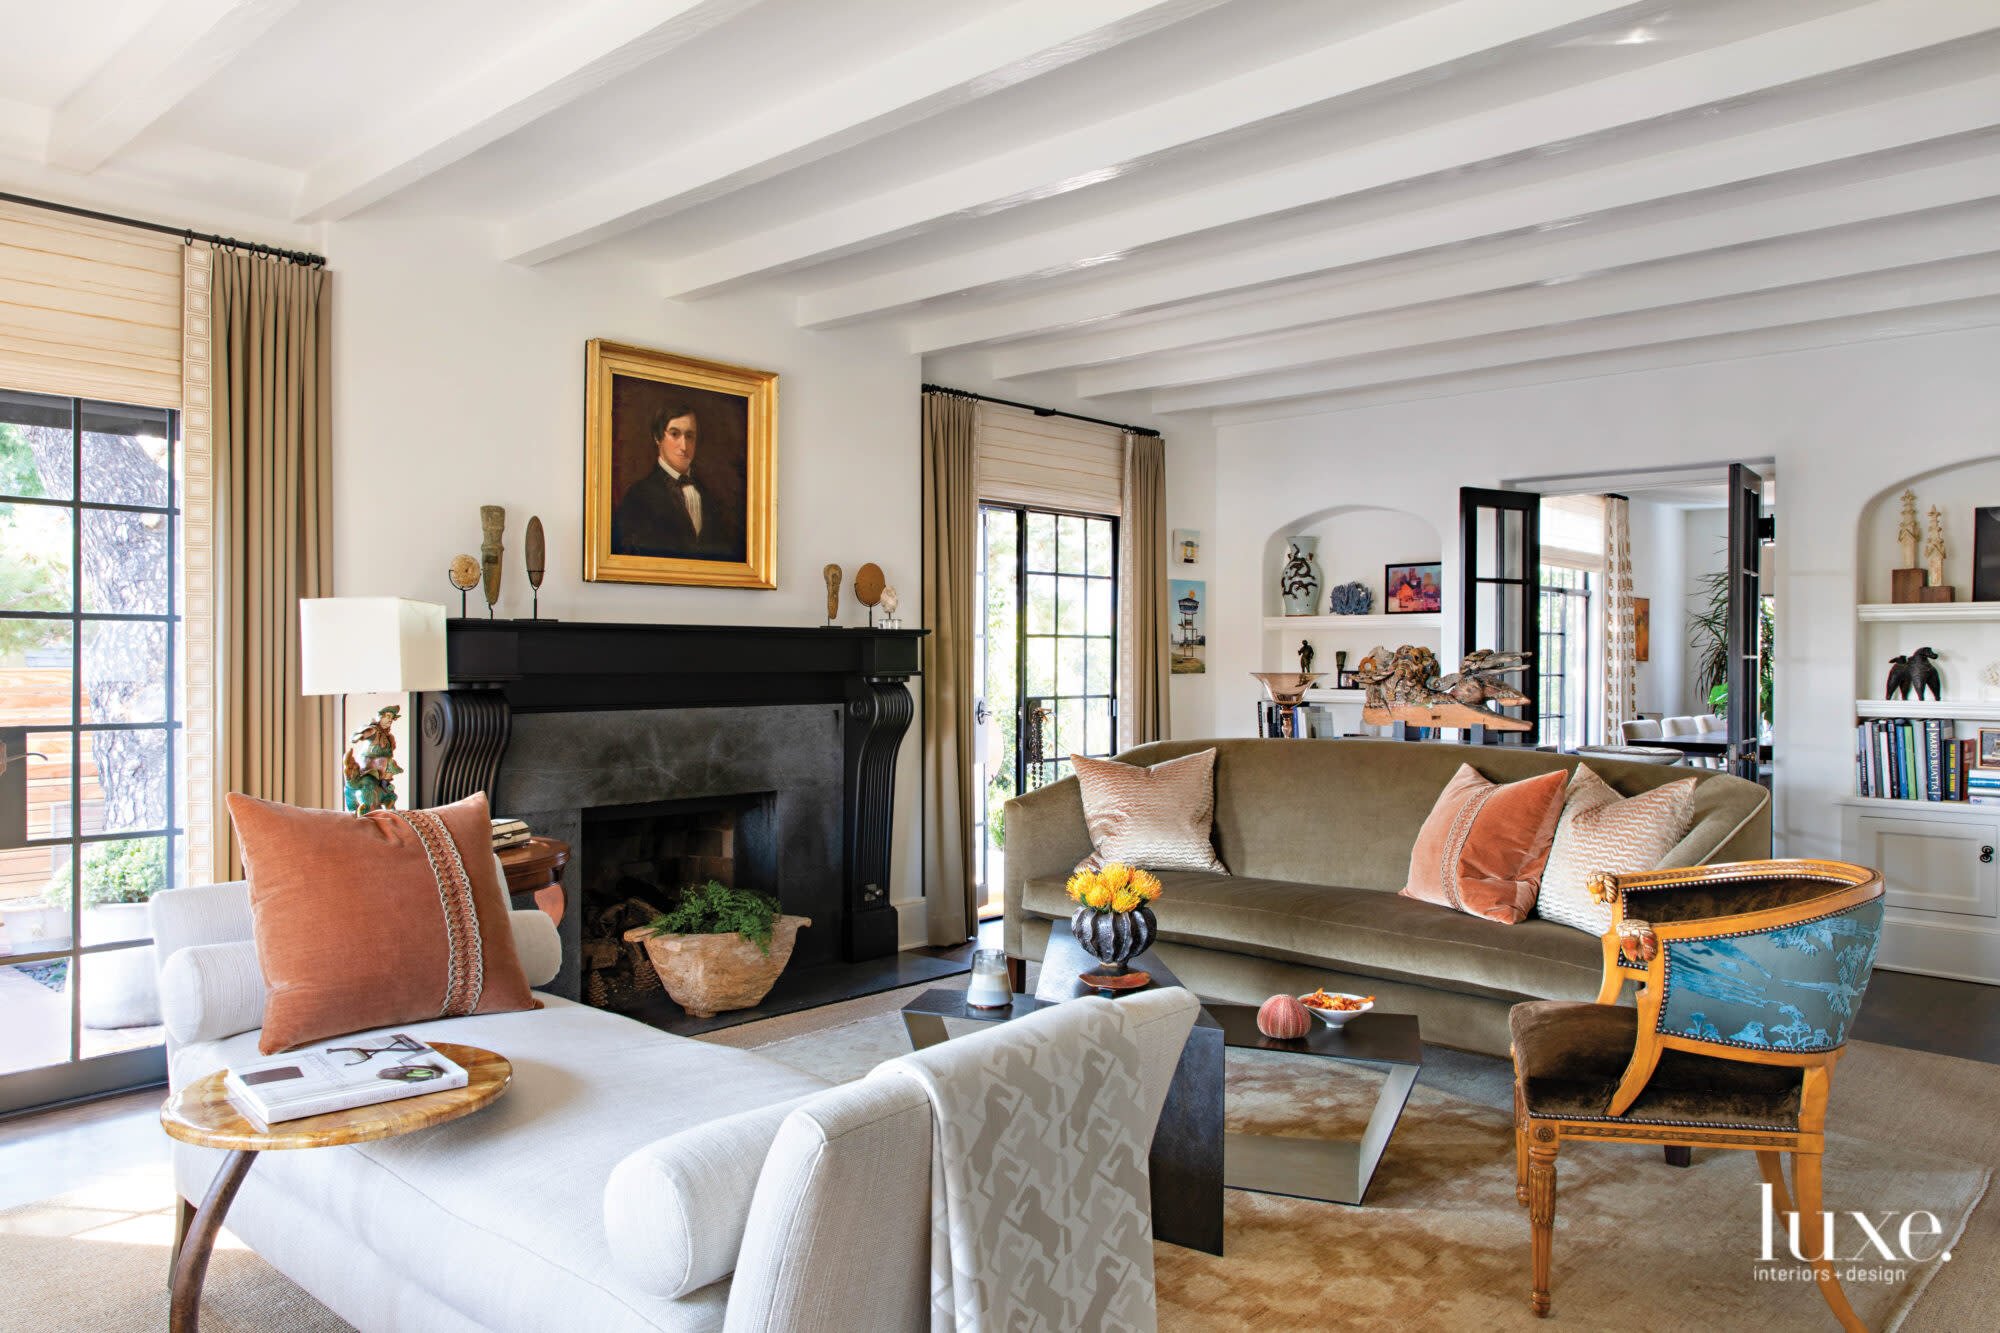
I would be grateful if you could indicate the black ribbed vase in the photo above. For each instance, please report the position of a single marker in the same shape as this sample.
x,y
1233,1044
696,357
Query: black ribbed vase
x,y
1113,937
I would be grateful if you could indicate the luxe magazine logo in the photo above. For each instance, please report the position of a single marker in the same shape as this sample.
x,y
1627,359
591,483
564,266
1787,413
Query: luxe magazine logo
x,y
1860,1247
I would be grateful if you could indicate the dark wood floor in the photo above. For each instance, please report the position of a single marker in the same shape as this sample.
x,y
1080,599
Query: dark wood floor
x,y
1960,1018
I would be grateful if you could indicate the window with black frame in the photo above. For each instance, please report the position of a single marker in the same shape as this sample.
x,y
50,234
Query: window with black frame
x,y
89,533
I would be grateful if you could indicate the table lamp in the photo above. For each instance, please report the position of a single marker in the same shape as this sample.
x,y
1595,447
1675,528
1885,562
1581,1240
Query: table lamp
x,y
371,645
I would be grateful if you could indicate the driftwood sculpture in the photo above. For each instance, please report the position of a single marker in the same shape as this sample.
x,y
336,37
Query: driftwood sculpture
x,y
1407,688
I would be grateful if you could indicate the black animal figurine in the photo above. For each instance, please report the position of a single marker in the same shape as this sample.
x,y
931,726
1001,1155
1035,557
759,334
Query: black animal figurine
x,y
1913,675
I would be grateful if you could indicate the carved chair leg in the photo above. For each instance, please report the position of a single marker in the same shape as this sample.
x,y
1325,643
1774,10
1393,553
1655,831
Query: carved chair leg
x,y
1542,1143
1806,1174
1520,1144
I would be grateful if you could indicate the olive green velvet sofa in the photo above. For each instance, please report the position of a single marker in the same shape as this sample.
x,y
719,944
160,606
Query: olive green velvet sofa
x,y
1317,838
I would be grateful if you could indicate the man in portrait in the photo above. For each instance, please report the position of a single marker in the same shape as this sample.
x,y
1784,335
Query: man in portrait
x,y
667,513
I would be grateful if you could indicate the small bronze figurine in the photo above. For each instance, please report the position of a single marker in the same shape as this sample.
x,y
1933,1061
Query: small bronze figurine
x,y
1305,657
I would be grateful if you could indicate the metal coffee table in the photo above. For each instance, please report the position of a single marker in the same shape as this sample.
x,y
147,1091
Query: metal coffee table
x,y
1193,1158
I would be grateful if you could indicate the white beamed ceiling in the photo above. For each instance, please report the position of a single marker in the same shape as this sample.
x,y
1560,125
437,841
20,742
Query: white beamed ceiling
x,y
1239,207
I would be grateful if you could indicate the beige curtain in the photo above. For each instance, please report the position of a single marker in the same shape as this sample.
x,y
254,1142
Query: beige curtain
x,y
1143,713
951,517
1621,671
274,515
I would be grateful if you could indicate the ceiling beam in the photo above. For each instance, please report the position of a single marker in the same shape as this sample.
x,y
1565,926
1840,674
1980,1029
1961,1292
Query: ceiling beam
x,y
1538,259
1885,126
1024,40
1983,312
1433,40
1822,46
1843,252
179,49
1874,293
551,68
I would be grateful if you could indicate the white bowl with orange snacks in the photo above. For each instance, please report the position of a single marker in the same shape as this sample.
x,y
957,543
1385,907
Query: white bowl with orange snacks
x,y
1335,1008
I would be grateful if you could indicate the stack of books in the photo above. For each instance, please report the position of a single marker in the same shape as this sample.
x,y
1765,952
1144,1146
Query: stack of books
x,y
509,833
1904,759
350,1072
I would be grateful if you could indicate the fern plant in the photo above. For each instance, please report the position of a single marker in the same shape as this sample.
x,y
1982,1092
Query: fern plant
x,y
716,908
1708,636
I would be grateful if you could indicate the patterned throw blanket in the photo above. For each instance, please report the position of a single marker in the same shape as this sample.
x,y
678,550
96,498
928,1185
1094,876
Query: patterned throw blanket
x,y
1040,1212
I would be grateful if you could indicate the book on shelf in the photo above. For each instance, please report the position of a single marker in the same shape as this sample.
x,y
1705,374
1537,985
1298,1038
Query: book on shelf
x,y
339,1076
1905,759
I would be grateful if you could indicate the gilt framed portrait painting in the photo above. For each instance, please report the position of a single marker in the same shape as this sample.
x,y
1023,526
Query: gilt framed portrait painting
x,y
680,470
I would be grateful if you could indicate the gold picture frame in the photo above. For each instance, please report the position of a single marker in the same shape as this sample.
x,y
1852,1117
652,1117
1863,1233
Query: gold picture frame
x,y
712,522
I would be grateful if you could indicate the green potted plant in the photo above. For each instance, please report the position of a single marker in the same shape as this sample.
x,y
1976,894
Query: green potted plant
x,y
720,947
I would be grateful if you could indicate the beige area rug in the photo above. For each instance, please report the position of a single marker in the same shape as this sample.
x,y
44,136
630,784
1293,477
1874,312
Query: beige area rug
x,y
96,1259
1442,1244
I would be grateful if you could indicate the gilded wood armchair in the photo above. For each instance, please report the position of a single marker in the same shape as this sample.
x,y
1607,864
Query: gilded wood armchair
x,y
1750,975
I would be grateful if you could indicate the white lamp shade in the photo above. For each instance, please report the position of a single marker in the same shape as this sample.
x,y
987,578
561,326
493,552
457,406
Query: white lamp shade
x,y
370,645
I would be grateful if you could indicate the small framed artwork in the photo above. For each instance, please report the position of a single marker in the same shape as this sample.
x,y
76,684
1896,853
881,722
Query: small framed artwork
x,y
1187,546
1642,629
1413,588
680,470
1989,747
1187,626
1347,680
1986,554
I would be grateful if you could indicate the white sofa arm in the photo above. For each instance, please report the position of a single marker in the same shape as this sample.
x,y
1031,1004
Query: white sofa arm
x,y
674,1210
211,991
538,944
839,1233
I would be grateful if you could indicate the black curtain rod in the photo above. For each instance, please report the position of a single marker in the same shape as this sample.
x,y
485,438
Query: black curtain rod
x,y
226,242
1040,411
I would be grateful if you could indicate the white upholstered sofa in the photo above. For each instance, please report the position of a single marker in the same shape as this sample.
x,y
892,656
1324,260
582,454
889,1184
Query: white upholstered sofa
x,y
617,1185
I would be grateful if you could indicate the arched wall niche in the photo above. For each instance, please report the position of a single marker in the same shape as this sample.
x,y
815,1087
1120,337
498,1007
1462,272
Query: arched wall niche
x,y
1957,490
1356,542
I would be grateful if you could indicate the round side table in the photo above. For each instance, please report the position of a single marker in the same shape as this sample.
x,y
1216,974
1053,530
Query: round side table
x,y
536,867
201,1114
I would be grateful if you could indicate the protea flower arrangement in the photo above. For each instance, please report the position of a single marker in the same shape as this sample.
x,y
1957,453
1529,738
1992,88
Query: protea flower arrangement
x,y
1113,921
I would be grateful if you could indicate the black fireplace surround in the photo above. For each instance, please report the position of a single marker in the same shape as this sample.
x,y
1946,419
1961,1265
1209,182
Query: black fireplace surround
x,y
555,719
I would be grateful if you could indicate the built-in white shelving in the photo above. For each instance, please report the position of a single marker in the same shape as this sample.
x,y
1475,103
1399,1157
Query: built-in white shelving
x,y
1970,710
1929,612
1336,696
1376,621
1882,804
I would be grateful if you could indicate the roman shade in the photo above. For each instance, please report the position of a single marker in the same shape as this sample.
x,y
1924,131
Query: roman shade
x,y
1052,462
89,309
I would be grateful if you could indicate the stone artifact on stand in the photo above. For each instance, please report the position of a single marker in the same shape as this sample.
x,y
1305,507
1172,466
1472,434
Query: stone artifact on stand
x,y
1936,590
1906,582
492,521
832,573
868,586
536,550
464,575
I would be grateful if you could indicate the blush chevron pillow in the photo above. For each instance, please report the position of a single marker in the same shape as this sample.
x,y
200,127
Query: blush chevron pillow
x,y
1156,818
365,921
1482,849
1601,830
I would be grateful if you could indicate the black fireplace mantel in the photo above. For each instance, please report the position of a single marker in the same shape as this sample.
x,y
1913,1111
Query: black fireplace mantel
x,y
501,667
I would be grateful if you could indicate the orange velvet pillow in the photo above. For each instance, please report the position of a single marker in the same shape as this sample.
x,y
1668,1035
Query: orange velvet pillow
x,y
371,920
1484,846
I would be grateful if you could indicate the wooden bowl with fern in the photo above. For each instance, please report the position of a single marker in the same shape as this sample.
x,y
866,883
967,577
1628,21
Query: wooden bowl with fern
x,y
720,948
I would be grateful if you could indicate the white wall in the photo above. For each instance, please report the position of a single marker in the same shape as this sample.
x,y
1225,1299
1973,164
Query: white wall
x,y
459,381
1705,532
1658,542
1842,424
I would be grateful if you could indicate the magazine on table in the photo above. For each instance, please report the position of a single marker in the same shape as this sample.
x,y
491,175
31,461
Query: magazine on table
x,y
339,1076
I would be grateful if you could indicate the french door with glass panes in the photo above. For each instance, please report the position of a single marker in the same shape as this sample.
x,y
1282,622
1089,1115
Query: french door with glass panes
x,y
1045,653
89,532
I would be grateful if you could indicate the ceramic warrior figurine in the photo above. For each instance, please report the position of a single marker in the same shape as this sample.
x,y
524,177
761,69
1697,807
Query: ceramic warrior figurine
x,y
1934,549
371,782
1908,533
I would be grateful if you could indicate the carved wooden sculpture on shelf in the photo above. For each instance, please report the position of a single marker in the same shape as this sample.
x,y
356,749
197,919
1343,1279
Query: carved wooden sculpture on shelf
x,y
492,521
832,575
1935,588
1407,688
536,550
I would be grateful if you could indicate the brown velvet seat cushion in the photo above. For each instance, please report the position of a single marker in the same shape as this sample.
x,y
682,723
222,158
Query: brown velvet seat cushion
x,y
370,920
1364,931
1572,1056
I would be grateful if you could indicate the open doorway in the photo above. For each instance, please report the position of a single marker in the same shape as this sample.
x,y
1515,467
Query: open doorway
x,y
1636,577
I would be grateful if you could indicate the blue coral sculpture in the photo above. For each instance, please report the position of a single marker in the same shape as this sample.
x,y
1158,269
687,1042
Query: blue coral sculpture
x,y
1351,599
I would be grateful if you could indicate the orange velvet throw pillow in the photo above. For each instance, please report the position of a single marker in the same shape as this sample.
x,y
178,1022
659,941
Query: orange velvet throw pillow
x,y
1484,846
366,921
